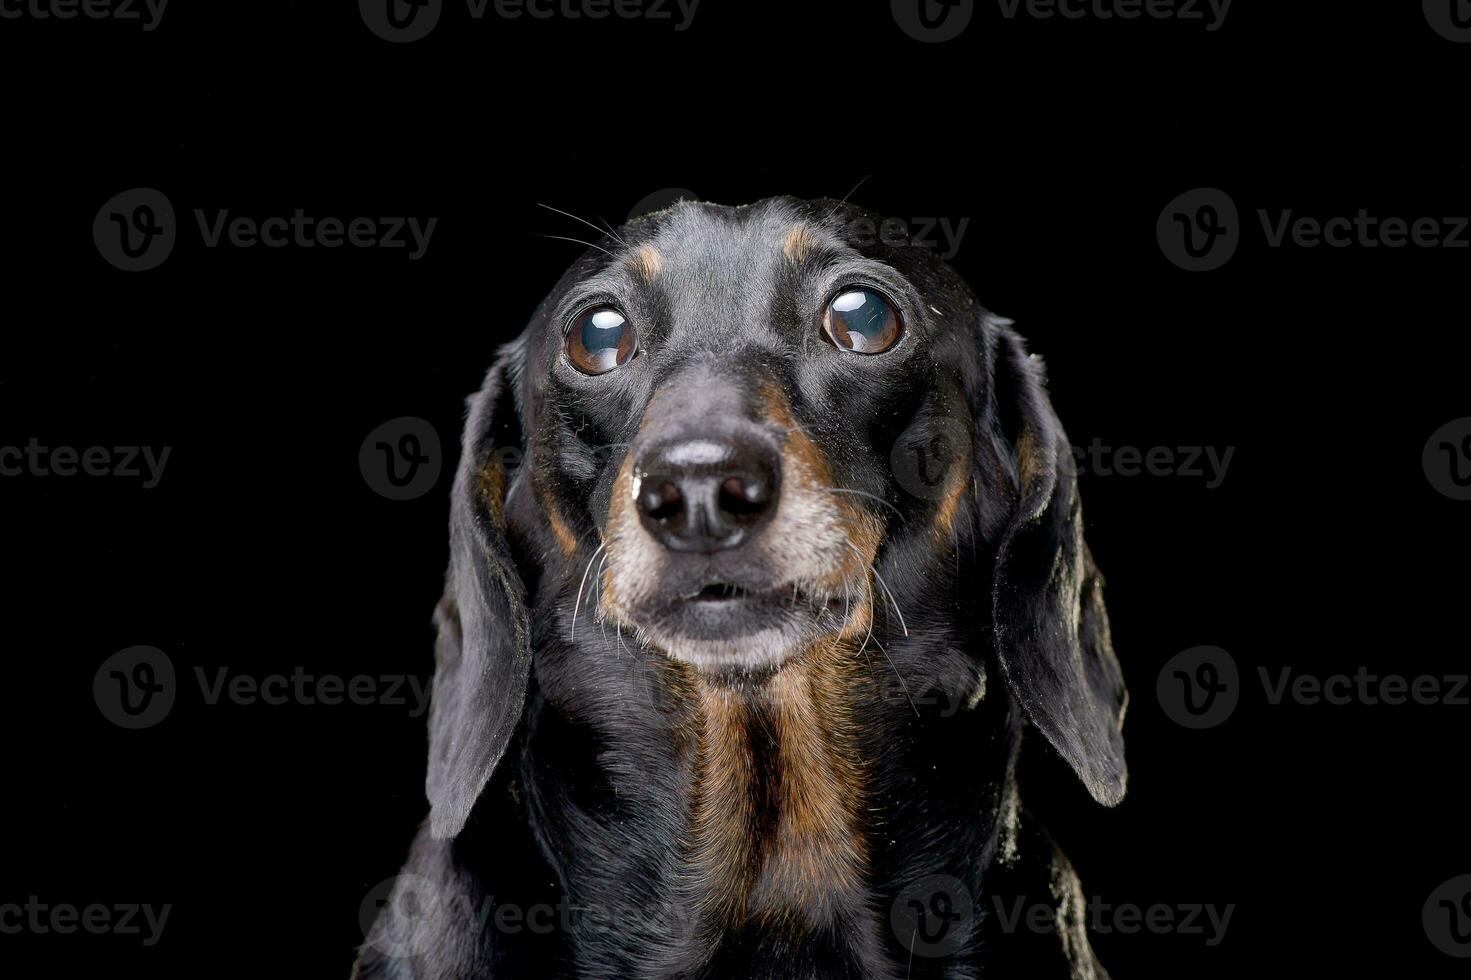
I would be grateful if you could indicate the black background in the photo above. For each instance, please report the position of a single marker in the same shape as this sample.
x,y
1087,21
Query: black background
x,y
264,550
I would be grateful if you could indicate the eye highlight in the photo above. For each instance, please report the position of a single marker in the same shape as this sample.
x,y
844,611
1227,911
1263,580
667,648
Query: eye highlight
x,y
863,321
600,339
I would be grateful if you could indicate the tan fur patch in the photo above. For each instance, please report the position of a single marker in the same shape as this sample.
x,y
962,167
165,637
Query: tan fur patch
x,y
776,829
949,505
561,530
805,470
492,486
800,243
623,523
647,262
819,851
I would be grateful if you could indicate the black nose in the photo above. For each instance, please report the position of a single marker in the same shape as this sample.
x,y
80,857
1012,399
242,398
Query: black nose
x,y
707,494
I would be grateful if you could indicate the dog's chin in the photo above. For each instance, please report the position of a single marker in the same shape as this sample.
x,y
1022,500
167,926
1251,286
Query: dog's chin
x,y
737,633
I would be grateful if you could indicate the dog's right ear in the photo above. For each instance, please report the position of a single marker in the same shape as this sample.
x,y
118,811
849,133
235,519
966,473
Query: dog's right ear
x,y
483,654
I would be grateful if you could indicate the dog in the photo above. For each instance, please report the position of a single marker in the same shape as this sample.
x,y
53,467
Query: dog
x,y
766,551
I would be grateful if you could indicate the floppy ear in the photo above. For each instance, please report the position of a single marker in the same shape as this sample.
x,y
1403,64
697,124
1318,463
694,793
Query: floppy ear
x,y
1047,603
483,654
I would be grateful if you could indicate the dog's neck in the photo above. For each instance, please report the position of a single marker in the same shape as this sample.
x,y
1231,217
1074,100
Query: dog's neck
x,y
798,805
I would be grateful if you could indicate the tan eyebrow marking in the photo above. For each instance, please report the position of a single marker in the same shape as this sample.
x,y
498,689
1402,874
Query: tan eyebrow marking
x,y
647,262
800,243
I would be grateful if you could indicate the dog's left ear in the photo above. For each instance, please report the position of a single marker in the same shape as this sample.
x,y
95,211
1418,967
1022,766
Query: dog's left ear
x,y
1051,627
483,654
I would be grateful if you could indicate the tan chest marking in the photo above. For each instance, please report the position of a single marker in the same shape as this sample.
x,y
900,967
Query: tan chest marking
x,y
779,790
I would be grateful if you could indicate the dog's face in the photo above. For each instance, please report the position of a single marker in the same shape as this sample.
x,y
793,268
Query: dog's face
x,y
755,434
720,398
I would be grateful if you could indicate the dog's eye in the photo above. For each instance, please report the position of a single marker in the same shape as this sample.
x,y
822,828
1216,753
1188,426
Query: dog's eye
x,y
863,321
600,340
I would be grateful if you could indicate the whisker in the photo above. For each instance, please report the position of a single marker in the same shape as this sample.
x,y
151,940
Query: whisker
x,y
902,625
564,238
899,677
578,604
863,493
574,217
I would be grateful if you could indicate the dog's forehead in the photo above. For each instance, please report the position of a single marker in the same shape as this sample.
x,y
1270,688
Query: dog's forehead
x,y
720,272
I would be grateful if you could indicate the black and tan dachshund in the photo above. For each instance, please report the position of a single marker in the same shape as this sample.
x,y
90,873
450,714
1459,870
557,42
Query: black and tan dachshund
x,y
766,549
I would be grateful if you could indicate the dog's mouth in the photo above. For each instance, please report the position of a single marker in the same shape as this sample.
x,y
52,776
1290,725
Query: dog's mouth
x,y
726,624
723,592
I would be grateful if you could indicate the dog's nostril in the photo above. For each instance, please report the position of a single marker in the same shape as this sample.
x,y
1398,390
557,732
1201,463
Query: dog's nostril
x,y
663,502
740,496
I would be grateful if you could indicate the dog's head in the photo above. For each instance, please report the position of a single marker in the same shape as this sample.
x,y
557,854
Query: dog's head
x,y
737,435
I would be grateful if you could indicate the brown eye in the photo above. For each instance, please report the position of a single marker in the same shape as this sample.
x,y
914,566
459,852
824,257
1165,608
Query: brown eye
x,y
600,340
863,321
